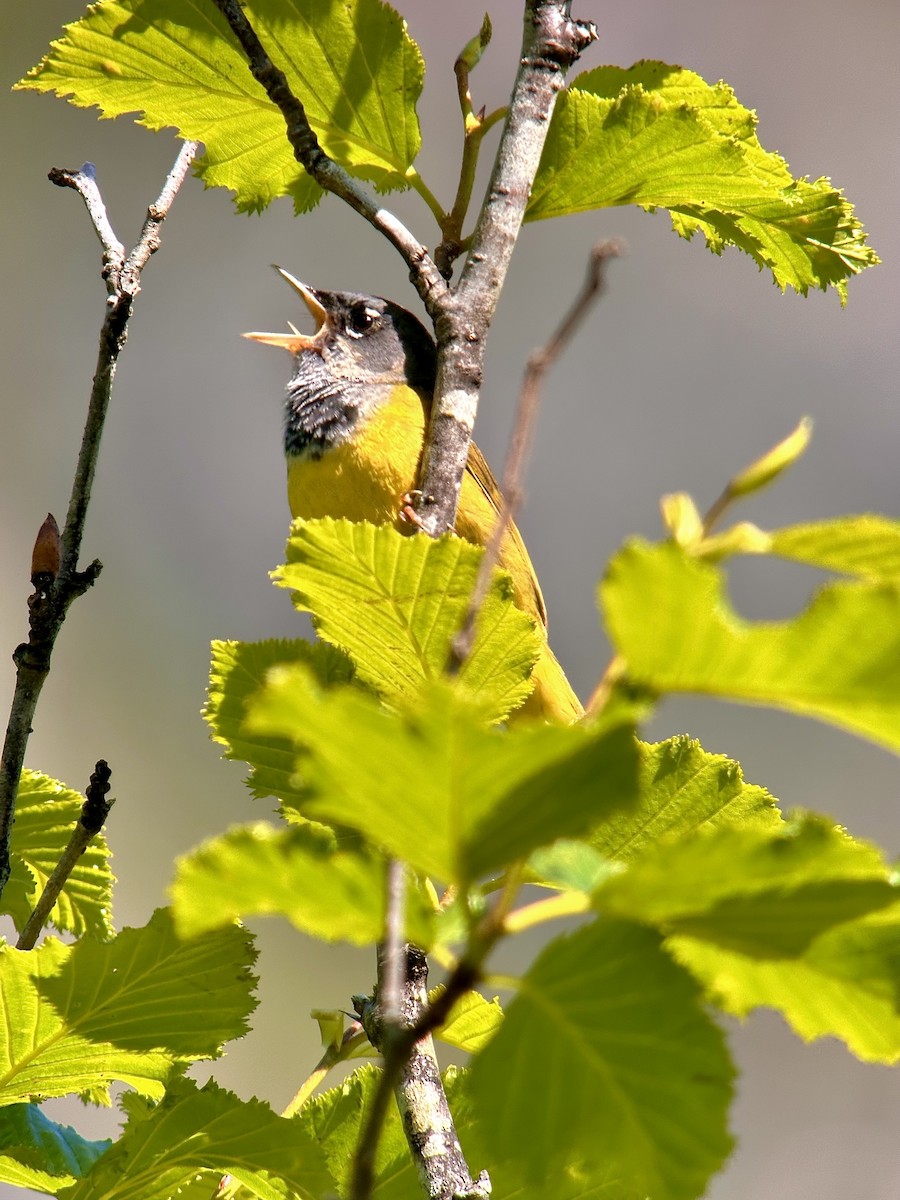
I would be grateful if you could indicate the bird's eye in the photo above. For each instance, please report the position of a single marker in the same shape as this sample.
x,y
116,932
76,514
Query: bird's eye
x,y
362,320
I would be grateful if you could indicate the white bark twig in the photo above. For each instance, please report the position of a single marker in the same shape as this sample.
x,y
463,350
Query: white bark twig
x,y
49,605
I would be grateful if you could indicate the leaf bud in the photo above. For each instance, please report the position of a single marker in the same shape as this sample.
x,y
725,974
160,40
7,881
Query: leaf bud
x,y
45,557
773,462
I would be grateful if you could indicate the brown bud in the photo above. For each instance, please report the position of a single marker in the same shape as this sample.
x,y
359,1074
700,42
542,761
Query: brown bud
x,y
45,555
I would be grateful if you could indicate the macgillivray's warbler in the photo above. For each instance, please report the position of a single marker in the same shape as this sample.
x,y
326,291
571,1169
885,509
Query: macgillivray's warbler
x,y
355,415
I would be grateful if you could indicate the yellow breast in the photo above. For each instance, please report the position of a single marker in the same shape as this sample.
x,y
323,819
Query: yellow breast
x,y
365,478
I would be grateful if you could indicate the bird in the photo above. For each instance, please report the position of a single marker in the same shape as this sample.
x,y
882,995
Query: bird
x,y
356,410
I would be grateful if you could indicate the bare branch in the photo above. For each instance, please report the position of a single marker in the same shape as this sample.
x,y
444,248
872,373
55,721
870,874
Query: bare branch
x,y
49,604
94,812
539,363
84,182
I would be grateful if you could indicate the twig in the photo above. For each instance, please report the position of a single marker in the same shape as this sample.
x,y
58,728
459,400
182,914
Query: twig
x,y
411,1072
49,605
551,42
94,812
539,363
390,985
411,1069
328,174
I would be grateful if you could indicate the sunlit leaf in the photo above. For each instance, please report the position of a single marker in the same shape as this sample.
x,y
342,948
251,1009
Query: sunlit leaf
x,y
77,1018
459,799
208,1129
394,604
839,660
845,985
46,815
657,135
323,885
766,894
175,62
629,1070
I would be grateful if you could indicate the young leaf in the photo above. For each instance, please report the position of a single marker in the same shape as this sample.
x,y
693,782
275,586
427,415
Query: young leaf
x,y
845,985
46,814
196,1129
682,789
867,546
459,800
838,661
326,887
79,1017
473,1021
767,895
38,1153
607,1057
660,136
352,65
394,603
237,672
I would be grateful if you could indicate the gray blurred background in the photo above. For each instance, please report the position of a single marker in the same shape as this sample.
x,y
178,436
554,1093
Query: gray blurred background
x,y
691,367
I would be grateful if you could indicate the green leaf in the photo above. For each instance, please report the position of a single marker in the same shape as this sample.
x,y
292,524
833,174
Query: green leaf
x,y
867,546
630,1072
394,603
46,815
838,661
459,800
352,65
237,673
682,788
79,1017
846,984
323,885
569,866
38,1153
660,136
473,1021
196,1129
765,894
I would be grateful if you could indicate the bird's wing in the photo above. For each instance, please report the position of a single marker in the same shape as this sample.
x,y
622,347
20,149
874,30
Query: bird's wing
x,y
480,471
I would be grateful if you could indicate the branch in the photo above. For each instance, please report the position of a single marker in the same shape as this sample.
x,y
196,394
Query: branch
x,y
539,363
94,812
551,42
50,602
328,174
411,1068
411,1072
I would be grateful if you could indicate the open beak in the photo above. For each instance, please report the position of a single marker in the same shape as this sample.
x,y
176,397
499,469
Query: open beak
x,y
295,341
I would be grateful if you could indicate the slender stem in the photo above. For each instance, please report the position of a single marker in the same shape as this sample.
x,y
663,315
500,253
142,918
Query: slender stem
x,y
565,904
614,672
418,184
354,1036
390,989
539,363
94,812
48,608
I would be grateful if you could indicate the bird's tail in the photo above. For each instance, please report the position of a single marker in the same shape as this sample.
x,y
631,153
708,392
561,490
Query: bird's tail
x,y
553,698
